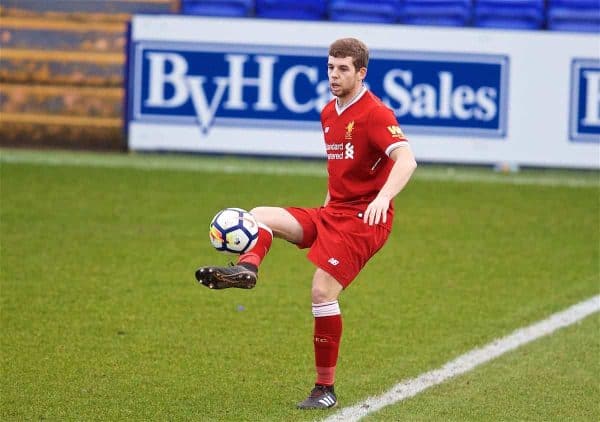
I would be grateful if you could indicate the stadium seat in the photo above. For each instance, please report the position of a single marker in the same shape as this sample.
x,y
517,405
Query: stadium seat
x,y
574,15
509,14
233,8
437,12
291,9
381,11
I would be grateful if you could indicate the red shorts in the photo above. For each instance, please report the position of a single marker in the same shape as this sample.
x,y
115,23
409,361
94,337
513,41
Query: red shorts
x,y
340,243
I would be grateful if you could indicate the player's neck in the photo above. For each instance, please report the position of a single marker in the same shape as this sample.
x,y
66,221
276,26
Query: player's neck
x,y
347,99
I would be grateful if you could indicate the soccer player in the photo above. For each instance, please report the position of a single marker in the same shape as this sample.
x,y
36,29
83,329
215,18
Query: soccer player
x,y
369,162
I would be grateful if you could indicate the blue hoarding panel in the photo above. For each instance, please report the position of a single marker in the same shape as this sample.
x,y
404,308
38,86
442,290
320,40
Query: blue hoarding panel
x,y
241,85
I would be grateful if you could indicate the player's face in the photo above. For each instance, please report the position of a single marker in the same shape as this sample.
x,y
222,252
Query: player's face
x,y
344,79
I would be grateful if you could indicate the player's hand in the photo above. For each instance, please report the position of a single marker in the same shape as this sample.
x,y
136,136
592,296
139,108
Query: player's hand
x,y
377,210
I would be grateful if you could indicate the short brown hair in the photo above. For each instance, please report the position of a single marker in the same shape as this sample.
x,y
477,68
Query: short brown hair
x,y
351,47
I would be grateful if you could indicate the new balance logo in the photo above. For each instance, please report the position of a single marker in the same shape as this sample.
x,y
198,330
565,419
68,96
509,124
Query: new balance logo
x,y
333,261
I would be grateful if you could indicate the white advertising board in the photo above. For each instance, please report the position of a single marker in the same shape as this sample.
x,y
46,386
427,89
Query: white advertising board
x,y
461,95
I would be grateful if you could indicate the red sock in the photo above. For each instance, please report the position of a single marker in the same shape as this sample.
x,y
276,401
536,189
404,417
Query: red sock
x,y
327,335
258,252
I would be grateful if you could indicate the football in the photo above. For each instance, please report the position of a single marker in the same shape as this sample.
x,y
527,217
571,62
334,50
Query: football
x,y
233,230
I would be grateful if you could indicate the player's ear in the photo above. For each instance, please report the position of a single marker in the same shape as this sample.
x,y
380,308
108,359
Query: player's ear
x,y
362,73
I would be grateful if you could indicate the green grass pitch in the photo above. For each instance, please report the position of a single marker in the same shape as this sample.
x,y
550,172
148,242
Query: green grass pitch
x,y
101,318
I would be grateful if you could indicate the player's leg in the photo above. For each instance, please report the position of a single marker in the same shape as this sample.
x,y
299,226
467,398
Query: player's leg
x,y
272,221
343,246
282,224
327,335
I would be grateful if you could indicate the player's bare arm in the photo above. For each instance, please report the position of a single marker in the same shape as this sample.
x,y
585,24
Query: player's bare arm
x,y
404,166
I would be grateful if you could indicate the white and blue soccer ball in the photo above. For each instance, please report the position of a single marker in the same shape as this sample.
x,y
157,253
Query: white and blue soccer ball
x,y
233,230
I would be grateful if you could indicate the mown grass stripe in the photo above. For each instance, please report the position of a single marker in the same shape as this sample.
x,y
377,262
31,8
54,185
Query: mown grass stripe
x,y
469,361
286,167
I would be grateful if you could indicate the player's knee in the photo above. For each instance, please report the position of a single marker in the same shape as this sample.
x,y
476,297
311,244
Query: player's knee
x,y
319,294
283,225
260,213
323,294
325,288
265,215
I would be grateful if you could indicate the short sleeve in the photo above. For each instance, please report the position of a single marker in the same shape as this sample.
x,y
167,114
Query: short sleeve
x,y
384,130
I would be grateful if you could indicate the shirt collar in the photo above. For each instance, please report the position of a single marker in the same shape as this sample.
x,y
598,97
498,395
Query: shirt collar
x,y
357,97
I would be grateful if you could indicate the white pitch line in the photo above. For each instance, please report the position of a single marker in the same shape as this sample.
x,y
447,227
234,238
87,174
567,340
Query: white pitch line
x,y
149,162
468,361
157,162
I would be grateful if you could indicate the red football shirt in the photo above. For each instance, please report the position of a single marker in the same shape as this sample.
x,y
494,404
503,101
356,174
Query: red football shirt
x,y
358,140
